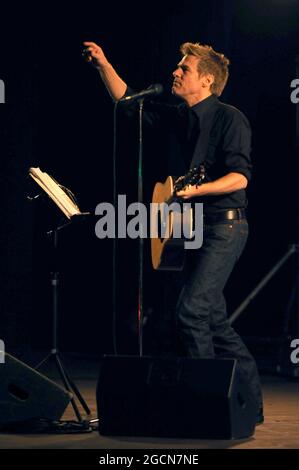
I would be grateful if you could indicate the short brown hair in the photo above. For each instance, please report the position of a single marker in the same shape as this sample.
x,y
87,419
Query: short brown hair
x,y
211,62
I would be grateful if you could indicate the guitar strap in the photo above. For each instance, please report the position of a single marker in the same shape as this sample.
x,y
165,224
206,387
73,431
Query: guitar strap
x,y
201,147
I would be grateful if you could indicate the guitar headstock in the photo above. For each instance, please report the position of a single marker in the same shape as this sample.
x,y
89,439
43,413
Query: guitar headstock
x,y
194,177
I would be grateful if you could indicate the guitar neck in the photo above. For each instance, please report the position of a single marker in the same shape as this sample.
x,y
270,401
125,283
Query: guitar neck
x,y
173,198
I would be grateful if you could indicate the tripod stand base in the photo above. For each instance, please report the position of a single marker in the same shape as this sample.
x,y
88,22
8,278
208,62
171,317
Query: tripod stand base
x,y
68,383
42,425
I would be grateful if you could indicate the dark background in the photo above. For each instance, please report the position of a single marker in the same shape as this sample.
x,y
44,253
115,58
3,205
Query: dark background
x,y
58,116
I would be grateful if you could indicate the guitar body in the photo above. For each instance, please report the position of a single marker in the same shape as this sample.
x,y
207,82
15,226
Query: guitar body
x,y
168,251
172,222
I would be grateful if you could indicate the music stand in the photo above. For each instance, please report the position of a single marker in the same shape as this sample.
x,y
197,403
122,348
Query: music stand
x,y
64,199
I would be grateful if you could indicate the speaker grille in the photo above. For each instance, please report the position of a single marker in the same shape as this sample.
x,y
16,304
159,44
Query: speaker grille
x,y
26,394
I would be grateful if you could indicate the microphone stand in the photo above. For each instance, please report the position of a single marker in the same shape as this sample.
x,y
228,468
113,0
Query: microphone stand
x,y
141,243
154,89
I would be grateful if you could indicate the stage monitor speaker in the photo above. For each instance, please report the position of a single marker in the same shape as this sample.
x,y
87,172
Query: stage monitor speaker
x,y
174,397
25,394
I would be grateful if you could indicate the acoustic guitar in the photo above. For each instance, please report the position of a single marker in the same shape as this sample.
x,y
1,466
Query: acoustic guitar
x,y
172,220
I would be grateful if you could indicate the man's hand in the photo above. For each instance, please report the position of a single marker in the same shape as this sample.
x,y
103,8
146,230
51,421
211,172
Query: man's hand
x,y
114,84
226,184
95,55
189,191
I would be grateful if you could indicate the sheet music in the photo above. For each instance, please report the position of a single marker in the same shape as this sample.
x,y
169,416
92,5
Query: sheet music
x,y
55,192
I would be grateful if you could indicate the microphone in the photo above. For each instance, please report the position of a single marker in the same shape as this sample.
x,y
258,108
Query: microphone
x,y
86,55
155,89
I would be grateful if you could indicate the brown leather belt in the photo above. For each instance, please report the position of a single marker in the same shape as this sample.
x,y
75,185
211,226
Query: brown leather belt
x,y
230,214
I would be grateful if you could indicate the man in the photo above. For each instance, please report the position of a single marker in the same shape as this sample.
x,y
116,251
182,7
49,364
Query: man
x,y
219,135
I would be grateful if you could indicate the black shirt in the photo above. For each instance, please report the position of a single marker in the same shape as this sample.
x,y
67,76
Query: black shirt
x,y
228,147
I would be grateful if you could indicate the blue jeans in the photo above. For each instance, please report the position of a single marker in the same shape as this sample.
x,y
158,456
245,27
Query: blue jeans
x,y
202,324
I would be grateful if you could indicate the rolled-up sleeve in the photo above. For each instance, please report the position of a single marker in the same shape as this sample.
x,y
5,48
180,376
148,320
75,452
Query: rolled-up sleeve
x,y
237,144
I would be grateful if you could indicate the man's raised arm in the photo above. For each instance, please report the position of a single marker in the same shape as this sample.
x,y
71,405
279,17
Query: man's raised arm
x,y
114,84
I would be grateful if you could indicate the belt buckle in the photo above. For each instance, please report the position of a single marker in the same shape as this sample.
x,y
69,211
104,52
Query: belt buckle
x,y
231,214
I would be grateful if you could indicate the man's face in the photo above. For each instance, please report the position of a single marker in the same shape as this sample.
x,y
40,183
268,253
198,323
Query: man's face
x,y
187,83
